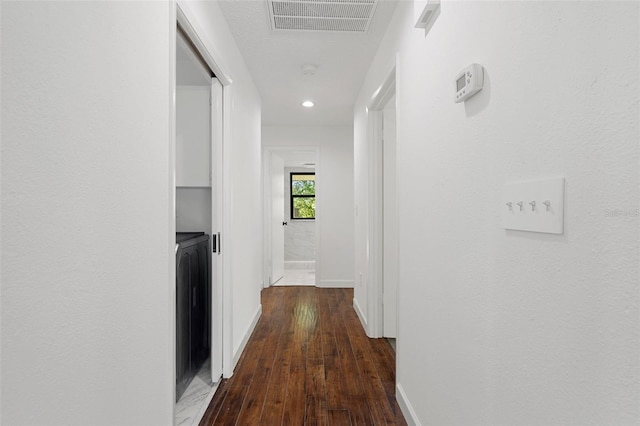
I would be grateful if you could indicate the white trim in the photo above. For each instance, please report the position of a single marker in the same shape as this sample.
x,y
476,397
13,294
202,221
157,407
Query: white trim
x,y
225,243
384,93
405,406
217,260
378,101
171,285
247,335
192,31
361,316
374,293
300,264
334,283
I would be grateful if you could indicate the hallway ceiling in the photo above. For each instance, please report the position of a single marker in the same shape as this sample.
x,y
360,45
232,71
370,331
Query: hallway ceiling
x,y
275,60
297,158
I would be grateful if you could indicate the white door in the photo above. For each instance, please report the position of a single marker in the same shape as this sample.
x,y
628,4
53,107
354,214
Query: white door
x,y
390,221
216,227
277,218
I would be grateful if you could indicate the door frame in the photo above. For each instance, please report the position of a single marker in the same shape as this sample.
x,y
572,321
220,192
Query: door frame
x,y
217,212
191,32
390,221
375,116
266,184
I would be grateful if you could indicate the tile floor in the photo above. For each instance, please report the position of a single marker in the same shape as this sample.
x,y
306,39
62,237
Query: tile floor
x,y
302,277
196,398
392,342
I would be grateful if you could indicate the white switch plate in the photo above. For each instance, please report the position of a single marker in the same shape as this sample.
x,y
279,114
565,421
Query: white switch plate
x,y
527,217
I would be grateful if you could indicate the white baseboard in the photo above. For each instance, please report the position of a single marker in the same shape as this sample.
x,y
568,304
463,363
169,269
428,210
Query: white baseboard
x,y
245,339
299,264
335,284
406,407
361,315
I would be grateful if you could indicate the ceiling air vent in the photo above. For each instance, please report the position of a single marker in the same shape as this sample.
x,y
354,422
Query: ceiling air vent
x,y
353,16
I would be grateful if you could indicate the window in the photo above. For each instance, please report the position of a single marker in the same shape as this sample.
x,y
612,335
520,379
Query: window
x,y
303,195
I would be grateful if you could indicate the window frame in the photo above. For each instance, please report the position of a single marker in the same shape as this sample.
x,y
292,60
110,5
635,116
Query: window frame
x,y
292,197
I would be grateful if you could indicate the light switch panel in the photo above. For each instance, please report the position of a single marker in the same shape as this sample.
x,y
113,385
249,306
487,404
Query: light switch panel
x,y
535,206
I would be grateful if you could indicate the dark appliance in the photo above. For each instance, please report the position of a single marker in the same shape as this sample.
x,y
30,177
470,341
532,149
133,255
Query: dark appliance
x,y
193,306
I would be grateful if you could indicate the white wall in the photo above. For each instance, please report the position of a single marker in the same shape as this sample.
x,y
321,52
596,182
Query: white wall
x,y
193,135
87,256
193,210
334,207
505,327
87,208
193,154
244,244
299,235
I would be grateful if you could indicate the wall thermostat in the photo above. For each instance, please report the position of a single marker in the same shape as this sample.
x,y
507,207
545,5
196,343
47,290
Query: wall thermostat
x,y
469,82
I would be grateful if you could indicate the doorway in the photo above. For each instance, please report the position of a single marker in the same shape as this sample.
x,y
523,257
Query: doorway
x,y
200,212
291,237
195,218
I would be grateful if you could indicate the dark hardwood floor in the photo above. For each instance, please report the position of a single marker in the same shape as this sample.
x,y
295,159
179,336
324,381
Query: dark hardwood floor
x,y
309,362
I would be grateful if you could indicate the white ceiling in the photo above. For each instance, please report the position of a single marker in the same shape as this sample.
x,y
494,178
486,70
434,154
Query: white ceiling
x,y
275,60
297,158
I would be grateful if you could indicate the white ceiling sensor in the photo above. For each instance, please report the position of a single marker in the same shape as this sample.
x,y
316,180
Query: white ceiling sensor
x,y
429,15
351,16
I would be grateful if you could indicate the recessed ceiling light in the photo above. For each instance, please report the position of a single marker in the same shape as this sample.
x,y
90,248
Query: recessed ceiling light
x,y
307,104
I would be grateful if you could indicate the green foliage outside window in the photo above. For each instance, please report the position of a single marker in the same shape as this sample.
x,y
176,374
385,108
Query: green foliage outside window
x,y
303,200
304,208
303,187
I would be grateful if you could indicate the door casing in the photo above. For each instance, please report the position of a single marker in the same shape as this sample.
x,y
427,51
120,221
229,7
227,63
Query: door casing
x,y
375,119
221,173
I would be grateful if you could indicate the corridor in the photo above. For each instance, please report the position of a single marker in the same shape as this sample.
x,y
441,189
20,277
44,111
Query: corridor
x,y
309,362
